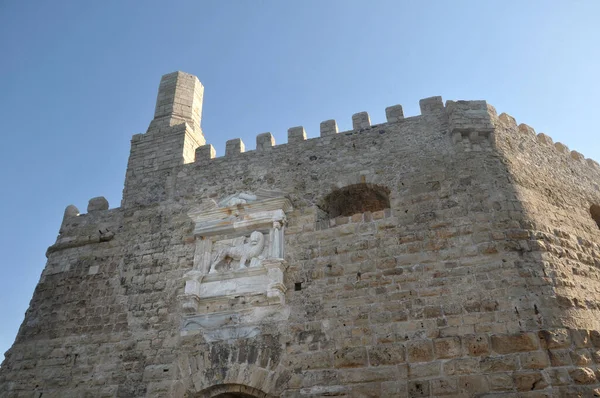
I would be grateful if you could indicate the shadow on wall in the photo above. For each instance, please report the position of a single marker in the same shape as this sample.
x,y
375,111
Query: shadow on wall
x,y
354,199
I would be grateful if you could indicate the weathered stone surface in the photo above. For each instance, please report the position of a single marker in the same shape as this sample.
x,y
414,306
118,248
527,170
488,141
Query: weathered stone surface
x,y
328,128
461,366
296,135
264,141
234,147
394,113
361,121
534,360
448,347
559,357
389,354
527,381
95,204
445,254
419,351
476,345
350,357
499,364
506,344
554,338
431,105
583,375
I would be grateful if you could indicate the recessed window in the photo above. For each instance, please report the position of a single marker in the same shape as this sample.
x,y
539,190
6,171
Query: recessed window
x,y
595,213
357,198
298,286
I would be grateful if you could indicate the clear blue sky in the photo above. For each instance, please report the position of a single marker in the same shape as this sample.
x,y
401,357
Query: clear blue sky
x,y
79,78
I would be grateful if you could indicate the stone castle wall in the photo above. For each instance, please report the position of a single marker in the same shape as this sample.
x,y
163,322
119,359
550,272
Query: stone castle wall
x,y
478,277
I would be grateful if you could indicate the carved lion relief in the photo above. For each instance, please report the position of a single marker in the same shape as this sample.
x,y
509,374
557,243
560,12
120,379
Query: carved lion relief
x,y
238,253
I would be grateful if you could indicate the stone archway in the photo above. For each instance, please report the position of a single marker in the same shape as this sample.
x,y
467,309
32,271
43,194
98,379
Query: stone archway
x,y
232,391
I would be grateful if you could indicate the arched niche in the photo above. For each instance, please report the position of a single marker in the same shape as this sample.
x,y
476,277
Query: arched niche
x,y
231,391
595,213
355,198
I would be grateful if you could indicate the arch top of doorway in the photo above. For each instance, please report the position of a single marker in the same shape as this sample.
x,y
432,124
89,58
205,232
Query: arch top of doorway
x,y
231,391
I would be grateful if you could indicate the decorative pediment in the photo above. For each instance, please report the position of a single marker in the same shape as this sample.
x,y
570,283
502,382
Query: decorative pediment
x,y
239,218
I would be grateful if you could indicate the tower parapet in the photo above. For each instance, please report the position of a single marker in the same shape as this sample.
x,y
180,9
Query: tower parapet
x,y
179,100
173,135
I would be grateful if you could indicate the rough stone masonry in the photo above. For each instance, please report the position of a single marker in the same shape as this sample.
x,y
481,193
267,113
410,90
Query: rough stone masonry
x,y
451,254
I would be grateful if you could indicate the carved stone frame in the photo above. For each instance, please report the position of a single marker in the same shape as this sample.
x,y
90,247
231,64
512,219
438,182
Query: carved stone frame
x,y
204,290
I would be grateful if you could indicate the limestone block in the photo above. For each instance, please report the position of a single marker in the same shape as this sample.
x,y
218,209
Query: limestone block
x,y
296,134
560,357
205,152
71,211
583,376
394,113
596,355
562,148
97,203
577,156
391,354
528,381
505,344
456,137
328,127
469,116
526,129
581,357
431,105
419,351
447,347
350,357
419,388
474,385
234,147
500,382
424,369
544,139
361,121
559,377
592,163
476,345
264,141
534,360
558,338
508,119
461,366
595,338
444,386
581,338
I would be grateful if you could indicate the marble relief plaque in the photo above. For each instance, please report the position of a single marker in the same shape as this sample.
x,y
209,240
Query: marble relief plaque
x,y
239,252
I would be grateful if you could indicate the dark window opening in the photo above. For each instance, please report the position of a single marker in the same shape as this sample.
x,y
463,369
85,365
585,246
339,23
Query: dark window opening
x,y
298,286
595,213
357,198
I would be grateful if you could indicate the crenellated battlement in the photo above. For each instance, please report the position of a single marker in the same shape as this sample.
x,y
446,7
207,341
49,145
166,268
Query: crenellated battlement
x,y
527,132
469,123
174,137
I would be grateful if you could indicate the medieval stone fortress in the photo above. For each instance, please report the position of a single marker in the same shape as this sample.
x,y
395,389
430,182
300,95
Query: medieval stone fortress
x,y
450,254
